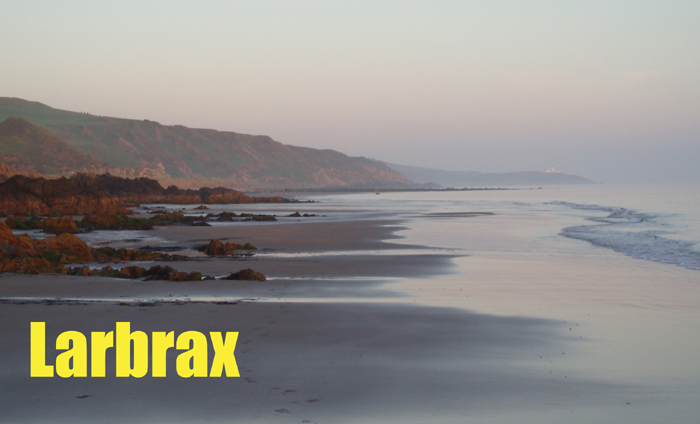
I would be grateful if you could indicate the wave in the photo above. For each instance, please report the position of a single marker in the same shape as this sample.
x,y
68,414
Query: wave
x,y
635,234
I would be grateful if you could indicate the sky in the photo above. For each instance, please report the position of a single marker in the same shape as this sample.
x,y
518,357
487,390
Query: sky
x,y
609,90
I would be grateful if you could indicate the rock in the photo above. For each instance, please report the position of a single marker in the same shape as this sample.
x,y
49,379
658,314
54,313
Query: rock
x,y
250,217
113,221
20,223
108,271
295,215
109,254
20,195
83,271
225,216
201,208
6,235
70,248
22,254
89,193
216,248
246,274
132,272
166,273
29,265
60,225
146,190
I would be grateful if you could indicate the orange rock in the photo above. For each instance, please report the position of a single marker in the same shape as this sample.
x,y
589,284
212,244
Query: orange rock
x,y
6,235
246,274
216,248
26,265
60,225
67,244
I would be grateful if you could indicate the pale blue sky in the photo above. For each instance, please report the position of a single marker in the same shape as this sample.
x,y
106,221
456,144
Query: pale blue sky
x,y
605,89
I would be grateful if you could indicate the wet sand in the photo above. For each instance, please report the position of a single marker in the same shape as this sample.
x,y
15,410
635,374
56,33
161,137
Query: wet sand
x,y
309,349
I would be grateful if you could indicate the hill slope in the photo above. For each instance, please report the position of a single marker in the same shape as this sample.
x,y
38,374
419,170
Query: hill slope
x,y
31,149
179,152
477,179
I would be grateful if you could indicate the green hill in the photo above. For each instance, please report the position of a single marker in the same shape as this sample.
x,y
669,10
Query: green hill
x,y
182,153
28,148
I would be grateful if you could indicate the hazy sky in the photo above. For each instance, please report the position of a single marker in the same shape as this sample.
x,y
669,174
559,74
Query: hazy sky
x,y
605,89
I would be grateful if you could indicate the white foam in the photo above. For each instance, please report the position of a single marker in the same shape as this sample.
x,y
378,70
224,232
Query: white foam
x,y
635,234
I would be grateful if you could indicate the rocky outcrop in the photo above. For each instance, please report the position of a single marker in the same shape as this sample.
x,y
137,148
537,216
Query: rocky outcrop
x,y
84,194
21,223
6,172
50,225
25,255
60,225
246,274
20,195
216,248
112,221
146,190
298,215
157,272
110,254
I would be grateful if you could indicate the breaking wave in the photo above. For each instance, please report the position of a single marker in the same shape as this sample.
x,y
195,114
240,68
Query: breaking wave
x,y
635,234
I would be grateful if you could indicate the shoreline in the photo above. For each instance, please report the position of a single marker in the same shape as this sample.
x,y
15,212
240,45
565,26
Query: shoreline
x,y
319,345
329,350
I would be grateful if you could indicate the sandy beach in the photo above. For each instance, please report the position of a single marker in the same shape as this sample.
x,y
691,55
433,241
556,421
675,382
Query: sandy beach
x,y
324,361
358,322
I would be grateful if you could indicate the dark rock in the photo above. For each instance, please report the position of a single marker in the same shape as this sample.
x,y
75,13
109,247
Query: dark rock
x,y
216,248
246,274
60,225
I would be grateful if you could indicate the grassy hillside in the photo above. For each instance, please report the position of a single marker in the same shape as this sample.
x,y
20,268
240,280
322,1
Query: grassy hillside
x,y
187,153
28,148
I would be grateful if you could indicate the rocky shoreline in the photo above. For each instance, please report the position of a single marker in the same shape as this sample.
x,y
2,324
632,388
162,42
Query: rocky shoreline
x,y
23,255
51,204
85,194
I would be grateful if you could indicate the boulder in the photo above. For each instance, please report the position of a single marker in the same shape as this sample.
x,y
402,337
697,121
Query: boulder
x,y
216,248
60,225
6,235
246,274
71,248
